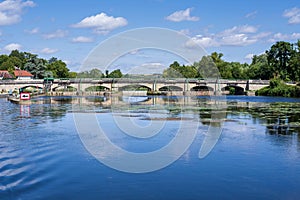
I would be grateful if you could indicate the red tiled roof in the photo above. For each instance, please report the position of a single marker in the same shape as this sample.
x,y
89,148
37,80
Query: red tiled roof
x,y
5,74
22,73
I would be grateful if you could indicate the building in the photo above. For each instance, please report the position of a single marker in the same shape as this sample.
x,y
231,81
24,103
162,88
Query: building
x,y
4,74
23,75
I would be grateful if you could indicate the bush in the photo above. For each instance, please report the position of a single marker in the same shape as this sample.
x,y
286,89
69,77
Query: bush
x,y
231,90
279,88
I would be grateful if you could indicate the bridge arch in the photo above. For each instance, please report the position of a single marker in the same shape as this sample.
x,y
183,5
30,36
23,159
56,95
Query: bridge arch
x,y
137,87
30,88
97,88
202,88
233,89
170,88
64,88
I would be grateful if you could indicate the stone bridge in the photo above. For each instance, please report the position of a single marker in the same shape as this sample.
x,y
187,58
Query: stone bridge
x,y
173,86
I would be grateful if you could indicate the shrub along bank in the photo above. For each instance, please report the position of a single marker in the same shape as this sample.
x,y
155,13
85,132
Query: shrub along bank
x,y
279,88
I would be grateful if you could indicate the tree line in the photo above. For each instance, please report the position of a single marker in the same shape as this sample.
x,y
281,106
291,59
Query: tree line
x,y
38,67
281,61
96,73
42,68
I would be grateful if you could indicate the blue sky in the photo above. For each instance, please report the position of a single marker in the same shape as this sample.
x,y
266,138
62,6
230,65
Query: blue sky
x,y
69,30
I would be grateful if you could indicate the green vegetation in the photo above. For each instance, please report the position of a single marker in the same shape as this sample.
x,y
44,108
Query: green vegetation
x,y
231,90
67,89
279,88
42,68
114,74
281,61
96,73
35,65
96,89
280,64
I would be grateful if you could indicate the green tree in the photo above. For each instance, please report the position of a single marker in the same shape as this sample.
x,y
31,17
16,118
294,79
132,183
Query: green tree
x,y
115,74
173,71
20,56
29,56
72,75
238,70
36,66
206,68
10,64
52,60
279,59
295,63
3,59
189,71
175,66
176,70
223,67
59,69
93,73
260,68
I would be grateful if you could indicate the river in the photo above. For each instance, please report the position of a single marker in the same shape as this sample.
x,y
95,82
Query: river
x,y
256,156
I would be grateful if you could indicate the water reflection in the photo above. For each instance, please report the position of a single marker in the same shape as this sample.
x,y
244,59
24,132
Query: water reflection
x,y
281,118
38,153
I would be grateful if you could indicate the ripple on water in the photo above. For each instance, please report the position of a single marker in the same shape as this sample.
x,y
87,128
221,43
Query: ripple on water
x,y
20,172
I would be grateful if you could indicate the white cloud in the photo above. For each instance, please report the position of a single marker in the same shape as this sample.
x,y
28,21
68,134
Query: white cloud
x,y
148,68
49,50
240,29
153,65
12,46
235,36
101,23
261,35
251,15
203,41
185,31
57,34
82,39
33,31
237,40
182,15
280,36
249,56
11,11
293,15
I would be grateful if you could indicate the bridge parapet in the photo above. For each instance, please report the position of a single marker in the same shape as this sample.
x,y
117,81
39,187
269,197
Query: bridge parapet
x,y
262,82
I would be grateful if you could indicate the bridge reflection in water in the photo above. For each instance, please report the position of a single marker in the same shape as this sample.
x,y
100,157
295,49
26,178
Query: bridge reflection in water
x,y
279,118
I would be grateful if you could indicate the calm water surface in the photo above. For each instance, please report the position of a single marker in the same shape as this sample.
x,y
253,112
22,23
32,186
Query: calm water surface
x,y
256,157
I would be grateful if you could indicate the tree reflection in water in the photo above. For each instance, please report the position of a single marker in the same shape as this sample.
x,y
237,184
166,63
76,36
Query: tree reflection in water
x,y
280,118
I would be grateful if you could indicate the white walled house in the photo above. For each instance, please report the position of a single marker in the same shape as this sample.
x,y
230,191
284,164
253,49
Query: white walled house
x,y
23,75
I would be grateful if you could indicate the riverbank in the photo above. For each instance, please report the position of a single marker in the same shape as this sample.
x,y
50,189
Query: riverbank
x,y
279,88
